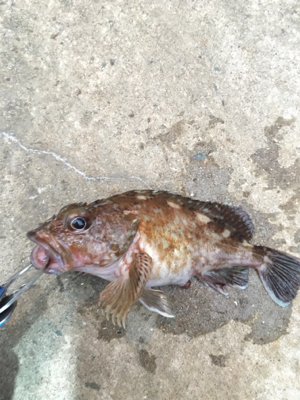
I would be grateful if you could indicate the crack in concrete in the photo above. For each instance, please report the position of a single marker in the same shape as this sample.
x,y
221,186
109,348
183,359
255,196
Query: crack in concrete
x,y
67,164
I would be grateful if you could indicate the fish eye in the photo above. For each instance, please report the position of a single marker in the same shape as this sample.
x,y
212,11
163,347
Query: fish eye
x,y
78,219
78,224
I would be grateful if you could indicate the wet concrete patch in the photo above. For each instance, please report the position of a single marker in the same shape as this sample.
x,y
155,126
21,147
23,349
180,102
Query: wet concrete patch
x,y
297,236
200,310
11,333
267,158
219,360
208,182
173,133
92,385
88,288
147,361
213,121
83,286
8,371
291,207
90,313
108,331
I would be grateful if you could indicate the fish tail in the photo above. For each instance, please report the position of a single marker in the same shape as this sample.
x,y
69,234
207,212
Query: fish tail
x,y
280,274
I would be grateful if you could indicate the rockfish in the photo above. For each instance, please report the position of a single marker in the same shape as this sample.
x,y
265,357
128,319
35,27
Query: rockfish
x,y
142,239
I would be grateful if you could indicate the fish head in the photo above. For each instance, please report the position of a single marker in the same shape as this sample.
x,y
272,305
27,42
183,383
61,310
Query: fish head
x,y
81,235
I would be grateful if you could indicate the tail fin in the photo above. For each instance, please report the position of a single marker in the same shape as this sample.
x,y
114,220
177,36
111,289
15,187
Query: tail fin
x,y
280,274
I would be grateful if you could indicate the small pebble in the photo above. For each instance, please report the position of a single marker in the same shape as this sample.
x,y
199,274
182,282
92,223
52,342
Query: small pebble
x,y
200,156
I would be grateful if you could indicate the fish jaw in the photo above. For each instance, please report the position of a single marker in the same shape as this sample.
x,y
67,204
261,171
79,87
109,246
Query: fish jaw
x,y
107,273
48,254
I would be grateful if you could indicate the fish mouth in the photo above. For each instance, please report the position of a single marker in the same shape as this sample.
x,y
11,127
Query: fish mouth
x,y
46,255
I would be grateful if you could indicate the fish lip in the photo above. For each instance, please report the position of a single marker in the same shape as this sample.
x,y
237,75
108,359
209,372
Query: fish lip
x,y
33,236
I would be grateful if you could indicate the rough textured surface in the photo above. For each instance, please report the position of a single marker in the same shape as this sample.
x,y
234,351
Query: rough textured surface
x,y
196,97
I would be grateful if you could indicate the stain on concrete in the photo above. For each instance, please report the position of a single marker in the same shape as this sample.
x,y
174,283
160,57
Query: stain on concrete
x,y
297,236
213,121
92,385
172,134
147,361
200,156
203,150
266,158
291,207
60,283
207,181
86,289
219,360
108,331
9,369
11,334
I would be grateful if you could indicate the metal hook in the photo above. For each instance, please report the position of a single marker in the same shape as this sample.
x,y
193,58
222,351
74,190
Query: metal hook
x,y
8,303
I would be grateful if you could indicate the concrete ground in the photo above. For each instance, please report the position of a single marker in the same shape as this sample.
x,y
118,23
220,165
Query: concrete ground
x,y
195,97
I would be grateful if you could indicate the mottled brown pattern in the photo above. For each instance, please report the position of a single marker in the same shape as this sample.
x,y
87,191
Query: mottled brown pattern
x,y
143,239
168,222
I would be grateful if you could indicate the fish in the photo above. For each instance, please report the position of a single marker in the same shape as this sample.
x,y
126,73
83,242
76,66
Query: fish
x,y
141,240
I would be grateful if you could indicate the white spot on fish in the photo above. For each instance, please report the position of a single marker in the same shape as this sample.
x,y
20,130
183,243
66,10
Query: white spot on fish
x,y
246,244
202,218
174,236
263,267
128,257
165,243
215,236
142,197
226,233
267,260
100,204
184,221
95,248
173,205
176,219
158,211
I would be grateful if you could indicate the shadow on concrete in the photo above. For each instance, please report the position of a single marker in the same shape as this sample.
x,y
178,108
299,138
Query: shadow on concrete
x,y
11,333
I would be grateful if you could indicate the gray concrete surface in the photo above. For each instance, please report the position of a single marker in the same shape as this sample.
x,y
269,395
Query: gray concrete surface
x,y
196,97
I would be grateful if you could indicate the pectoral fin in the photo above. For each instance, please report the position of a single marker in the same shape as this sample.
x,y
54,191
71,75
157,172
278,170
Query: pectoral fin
x,y
120,295
156,300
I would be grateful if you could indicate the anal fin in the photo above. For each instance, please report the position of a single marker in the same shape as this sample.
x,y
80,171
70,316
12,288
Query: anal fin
x,y
157,301
236,275
120,295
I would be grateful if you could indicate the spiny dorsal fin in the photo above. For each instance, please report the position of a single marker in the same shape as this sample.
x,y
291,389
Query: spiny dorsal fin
x,y
233,217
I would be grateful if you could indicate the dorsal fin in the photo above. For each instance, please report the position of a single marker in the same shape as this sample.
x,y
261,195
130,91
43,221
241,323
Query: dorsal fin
x,y
233,217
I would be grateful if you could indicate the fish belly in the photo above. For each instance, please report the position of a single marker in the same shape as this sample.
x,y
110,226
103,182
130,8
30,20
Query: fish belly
x,y
168,270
